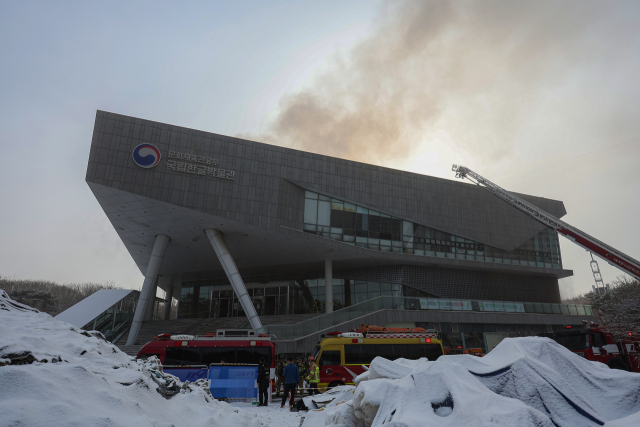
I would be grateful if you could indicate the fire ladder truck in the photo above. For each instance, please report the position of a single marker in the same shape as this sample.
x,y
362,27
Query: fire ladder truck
x,y
611,255
602,348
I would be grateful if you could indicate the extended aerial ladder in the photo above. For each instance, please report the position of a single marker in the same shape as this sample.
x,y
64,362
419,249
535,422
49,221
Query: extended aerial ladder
x,y
611,255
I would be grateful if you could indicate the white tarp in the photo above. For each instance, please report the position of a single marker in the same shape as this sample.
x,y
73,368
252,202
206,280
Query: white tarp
x,y
524,382
90,307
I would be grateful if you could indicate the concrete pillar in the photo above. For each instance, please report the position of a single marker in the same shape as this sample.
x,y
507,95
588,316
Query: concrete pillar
x,y
228,264
328,286
147,295
167,305
151,304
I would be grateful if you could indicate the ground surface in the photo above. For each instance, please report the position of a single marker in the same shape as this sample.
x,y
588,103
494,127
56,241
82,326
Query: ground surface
x,y
272,415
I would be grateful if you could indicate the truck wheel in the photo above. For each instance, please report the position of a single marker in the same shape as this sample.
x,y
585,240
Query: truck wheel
x,y
335,384
617,364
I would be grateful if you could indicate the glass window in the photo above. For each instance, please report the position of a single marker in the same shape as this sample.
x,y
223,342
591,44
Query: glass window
x,y
262,352
374,222
574,342
382,350
227,355
191,356
210,355
368,352
173,357
401,350
598,339
452,339
343,221
407,228
474,339
337,221
324,213
244,355
352,354
432,351
373,287
361,286
415,351
330,358
311,211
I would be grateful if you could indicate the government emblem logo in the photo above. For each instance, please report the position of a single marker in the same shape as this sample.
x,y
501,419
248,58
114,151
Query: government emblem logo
x,y
146,155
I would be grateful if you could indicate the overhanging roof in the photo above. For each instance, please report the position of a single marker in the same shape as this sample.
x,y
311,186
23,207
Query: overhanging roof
x,y
90,307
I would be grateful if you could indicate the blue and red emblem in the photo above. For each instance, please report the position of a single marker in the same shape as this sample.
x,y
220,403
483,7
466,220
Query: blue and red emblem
x,y
146,155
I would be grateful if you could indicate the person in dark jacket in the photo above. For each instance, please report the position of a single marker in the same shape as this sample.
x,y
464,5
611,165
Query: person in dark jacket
x,y
263,382
291,380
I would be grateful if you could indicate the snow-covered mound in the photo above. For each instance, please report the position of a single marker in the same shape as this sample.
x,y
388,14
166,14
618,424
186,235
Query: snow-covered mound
x,y
567,388
522,382
53,374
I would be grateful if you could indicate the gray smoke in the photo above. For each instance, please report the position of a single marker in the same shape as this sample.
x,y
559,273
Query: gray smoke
x,y
476,70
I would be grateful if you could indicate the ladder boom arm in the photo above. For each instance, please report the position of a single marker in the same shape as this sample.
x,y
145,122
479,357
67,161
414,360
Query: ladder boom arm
x,y
593,245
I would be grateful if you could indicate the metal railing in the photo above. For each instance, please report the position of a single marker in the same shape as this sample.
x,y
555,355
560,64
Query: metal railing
x,y
326,321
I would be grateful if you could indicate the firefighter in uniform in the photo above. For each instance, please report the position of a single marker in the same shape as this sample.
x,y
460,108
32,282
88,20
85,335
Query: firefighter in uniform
x,y
313,377
280,376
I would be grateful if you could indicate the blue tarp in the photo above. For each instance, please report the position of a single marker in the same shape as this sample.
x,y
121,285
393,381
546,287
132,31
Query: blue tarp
x,y
233,382
188,374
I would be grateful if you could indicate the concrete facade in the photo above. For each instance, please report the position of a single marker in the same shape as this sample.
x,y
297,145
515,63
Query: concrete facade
x,y
261,214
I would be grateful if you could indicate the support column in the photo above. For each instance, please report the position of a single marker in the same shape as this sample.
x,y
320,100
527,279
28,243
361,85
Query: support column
x,y
151,303
228,264
147,295
167,305
328,286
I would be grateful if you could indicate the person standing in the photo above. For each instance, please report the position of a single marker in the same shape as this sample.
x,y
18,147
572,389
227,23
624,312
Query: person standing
x,y
302,370
263,382
314,377
279,376
291,380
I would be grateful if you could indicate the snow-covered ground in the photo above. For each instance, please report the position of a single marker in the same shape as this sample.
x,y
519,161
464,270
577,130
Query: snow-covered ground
x,y
272,415
82,380
69,377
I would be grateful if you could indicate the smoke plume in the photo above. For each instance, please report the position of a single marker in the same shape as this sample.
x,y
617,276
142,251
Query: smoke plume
x,y
475,70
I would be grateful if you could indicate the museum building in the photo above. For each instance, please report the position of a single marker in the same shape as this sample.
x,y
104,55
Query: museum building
x,y
231,227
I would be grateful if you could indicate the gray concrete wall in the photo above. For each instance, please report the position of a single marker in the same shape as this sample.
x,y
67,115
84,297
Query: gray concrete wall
x,y
254,197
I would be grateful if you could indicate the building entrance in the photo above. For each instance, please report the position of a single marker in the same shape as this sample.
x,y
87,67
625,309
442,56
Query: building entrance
x,y
270,305
283,297
224,307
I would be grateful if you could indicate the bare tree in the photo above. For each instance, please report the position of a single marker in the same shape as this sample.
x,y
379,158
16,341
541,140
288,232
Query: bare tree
x,y
618,309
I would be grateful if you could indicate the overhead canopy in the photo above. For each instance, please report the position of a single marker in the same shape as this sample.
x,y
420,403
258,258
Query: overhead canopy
x,y
90,307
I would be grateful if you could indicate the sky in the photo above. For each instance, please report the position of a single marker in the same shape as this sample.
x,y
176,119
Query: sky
x,y
541,97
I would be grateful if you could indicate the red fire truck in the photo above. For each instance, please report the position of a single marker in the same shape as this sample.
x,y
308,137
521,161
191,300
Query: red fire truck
x,y
228,346
595,343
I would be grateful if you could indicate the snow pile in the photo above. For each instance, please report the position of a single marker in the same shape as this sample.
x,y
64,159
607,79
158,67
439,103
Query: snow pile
x,y
567,388
522,382
53,374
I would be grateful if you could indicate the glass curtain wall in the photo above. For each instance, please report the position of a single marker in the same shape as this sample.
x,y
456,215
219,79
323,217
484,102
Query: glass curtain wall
x,y
367,228
301,296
